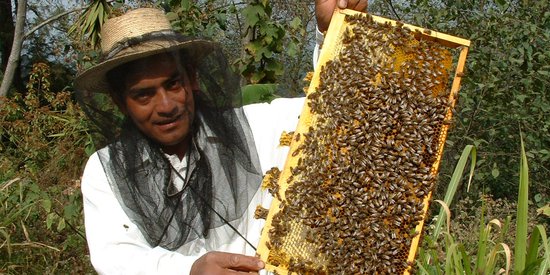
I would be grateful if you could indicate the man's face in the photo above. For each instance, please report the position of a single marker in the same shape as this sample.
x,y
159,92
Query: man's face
x,y
159,100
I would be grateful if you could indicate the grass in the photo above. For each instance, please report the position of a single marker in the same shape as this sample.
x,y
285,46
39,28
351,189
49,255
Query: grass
x,y
446,255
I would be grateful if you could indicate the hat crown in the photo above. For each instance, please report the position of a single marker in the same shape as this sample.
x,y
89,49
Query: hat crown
x,y
132,24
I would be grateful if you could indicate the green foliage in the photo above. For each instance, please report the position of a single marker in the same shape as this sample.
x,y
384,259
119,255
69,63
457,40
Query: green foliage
x,y
257,43
530,257
33,244
202,19
265,40
44,132
256,93
452,188
44,142
90,22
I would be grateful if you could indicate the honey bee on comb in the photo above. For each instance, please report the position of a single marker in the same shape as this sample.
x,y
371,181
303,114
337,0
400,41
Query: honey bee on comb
x,y
355,195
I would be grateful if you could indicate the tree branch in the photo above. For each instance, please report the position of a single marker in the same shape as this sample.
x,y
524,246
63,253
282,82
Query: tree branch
x,y
393,10
49,20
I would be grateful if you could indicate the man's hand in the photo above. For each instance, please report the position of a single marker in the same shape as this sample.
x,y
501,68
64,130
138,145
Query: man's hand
x,y
226,263
325,8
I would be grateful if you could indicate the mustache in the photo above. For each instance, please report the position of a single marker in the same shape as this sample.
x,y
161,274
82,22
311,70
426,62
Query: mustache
x,y
185,112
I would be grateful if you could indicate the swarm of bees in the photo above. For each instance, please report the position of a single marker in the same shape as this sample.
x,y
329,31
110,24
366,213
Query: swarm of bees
x,y
366,165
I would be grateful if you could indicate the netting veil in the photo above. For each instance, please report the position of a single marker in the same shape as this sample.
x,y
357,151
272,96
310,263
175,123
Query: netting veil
x,y
223,172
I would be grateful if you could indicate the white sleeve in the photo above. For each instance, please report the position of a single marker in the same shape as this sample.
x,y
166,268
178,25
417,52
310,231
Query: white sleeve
x,y
116,244
319,38
268,121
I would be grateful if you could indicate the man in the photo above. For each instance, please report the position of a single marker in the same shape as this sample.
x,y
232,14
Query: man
x,y
175,190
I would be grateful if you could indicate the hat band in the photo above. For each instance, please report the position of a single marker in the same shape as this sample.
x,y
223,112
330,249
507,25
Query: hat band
x,y
166,35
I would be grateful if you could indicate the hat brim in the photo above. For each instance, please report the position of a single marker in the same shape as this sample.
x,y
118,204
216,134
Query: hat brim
x,y
94,80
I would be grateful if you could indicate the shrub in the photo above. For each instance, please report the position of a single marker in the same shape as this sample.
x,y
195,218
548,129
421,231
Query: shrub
x,y
44,143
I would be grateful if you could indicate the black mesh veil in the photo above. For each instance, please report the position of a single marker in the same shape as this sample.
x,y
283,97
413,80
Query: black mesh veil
x,y
223,172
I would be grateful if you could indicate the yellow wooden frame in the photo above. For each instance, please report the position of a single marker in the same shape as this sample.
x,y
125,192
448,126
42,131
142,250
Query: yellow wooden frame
x,y
329,49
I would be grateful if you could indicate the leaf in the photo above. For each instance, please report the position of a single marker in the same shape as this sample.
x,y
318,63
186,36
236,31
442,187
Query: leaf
x,y
256,93
533,248
252,15
537,197
448,214
185,4
545,210
469,150
544,265
49,220
61,225
69,211
47,205
172,16
495,172
292,49
296,23
520,251
257,77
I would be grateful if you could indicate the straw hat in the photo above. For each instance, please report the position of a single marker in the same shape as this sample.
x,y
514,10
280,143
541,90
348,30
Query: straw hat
x,y
136,34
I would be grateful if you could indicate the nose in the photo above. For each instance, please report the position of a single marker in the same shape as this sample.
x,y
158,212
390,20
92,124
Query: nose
x,y
166,105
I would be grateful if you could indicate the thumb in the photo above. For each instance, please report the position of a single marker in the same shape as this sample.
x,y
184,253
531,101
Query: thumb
x,y
342,4
241,262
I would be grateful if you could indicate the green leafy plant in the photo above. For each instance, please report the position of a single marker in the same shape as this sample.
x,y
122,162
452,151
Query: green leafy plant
x,y
89,24
265,40
531,255
203,19
43,135
256,93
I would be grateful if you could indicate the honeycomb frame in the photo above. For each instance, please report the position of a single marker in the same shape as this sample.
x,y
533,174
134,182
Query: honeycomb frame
x,y
332,45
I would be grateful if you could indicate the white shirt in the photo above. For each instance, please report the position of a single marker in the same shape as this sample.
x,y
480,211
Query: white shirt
x,y
117,246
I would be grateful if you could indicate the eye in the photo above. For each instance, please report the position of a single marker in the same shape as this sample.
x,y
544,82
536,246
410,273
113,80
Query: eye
x,y
141,96
173,84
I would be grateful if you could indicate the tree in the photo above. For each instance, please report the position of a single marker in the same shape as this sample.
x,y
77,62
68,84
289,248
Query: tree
x,y
15,52
258,36
6,32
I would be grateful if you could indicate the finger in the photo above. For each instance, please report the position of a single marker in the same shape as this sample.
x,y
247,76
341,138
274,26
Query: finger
x,y
327,6
229,271
358,5
362,5
322,2
350,4
239,262
342,4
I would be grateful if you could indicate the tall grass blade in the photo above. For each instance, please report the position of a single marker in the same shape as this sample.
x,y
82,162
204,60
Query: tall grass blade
x,y
465,260
545,264
532,249
457,256
491,260
451,251
7,240
447,213
482,242
469,150
504,230
520,251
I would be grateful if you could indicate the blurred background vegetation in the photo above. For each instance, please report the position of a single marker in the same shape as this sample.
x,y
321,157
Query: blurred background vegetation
x,y
45,139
